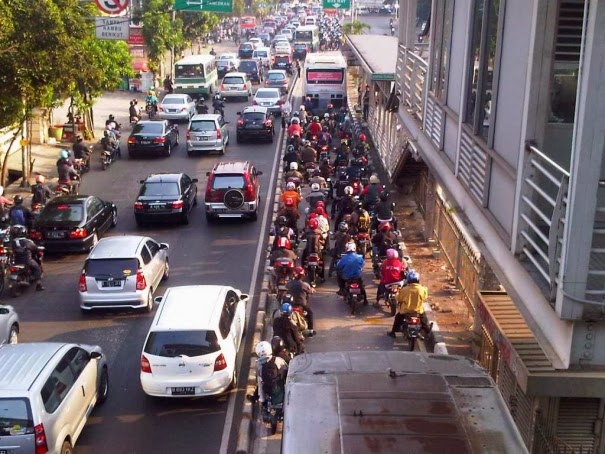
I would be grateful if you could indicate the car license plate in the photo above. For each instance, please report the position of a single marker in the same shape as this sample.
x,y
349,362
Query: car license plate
x,y
204,138
232,88
111,284
156,207
145,142
172,110
183,391
54,235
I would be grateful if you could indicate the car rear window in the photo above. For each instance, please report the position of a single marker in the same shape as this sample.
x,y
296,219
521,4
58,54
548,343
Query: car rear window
x,y
160,188
233,80
113,267
276,76
282,58
228,182
267,94
170,344
300,46
246,46
15,417
62,212
202,125
261,53
148,128
173,101
248,66
254,116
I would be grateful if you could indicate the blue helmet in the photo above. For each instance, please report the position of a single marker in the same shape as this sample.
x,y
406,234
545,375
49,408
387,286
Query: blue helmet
x,y
286,309
64,154
413,277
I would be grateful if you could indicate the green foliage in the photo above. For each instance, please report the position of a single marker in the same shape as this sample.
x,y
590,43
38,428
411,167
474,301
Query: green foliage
x,y
355,27
196,25
238,8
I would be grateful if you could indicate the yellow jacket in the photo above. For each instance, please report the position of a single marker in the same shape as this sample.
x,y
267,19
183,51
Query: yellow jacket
x,y
411,297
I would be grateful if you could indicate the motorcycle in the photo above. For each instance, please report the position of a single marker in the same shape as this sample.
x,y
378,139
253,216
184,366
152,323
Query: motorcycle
x,y
36,210
363,241
308,169
150,109
412,329
20,276
107,158
281,272
5,256
313,264
390,296
200,107
353,294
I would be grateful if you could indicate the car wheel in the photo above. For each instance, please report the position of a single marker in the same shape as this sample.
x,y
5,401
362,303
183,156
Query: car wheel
x,y
66,448
149,304
95,240
103,390
166,274
195,200
13,335
114,218
168,151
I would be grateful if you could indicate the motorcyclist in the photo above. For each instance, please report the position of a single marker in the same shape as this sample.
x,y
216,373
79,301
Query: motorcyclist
x,y
290,156
308,106
308,153
40,191
294,173
283,250
212,51
384,239
133,113
371,193
410,300
315,196
341,237
265,354
315,245
325,168
110,144
152,100
316,178
391,270
346,204
280,349
353,172
290,193
384,210
23,254
291,213
325,138
294,128
314,128
322,220
350,268
342,158
218,104
81,151
67,174
19,214
5,204
301,291
281,229
360,219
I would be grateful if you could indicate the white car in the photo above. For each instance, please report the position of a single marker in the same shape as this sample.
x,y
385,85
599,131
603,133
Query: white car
x,y
257,42
283,48
271,98
178,107
192,344
9,325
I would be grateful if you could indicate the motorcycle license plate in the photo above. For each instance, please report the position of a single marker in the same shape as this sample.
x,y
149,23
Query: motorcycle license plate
x,y
13,277
183,391
313,263
354,291
282,287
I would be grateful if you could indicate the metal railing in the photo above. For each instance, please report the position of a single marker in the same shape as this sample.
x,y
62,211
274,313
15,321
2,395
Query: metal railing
x,y
546,443
411,77
595,282
543,211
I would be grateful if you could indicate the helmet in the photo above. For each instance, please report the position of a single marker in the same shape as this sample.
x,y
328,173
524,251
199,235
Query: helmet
x,y
343,227
315,118
327,115
290,186
299,271
18,199
347,218
290,148
111,117
289,202
18,231
282,220
217,94
321,211
392,254
295,120
348,190
64,154
350,247
324,129
385,226
312,215
286,308
294,166
282,241
296,134
359,205
362,137
374,179
312,224
295,115
287,299
320,204
308,98
263,349
316,172
79,137
41,179
277,344
344,142
413,277
315,187
302,108
384,196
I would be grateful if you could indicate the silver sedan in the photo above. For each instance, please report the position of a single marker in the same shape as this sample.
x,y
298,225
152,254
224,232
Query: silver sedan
x,y
178,107
9,325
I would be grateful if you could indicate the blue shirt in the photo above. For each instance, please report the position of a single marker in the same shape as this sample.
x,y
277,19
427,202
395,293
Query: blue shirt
x,y
350,265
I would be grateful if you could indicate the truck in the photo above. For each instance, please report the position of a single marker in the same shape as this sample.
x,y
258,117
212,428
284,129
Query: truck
x,y
394,402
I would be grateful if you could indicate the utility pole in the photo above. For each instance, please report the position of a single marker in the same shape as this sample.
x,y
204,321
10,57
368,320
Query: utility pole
x,y
172,50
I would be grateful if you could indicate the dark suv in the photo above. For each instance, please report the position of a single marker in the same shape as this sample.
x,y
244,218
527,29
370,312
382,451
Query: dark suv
x,y
255,122
252,70
232,191
245,50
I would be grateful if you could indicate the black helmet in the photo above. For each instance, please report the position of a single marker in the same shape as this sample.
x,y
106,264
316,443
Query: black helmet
x,y
18,199
343,227
287,299
384,196
281,221
18,231
277,345
111,117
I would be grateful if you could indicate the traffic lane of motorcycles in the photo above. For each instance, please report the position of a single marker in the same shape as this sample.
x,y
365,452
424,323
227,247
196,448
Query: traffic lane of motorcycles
x,y
221,253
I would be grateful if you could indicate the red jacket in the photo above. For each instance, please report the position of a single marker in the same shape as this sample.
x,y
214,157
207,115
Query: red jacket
x,y
391,271
293,128
315,128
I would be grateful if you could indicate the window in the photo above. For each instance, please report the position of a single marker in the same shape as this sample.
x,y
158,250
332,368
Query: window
x,y
99,204
228,182
15,417
78,359
157,189
154,247
116,268
60,212
145,255
148,128
202,125
484,46
171,344
57,386
443,17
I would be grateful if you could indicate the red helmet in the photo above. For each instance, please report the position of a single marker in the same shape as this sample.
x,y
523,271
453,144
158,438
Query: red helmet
x,y
362,137
299,271
282,241
289,202
312,224
312,215
320,204
320,211
385,226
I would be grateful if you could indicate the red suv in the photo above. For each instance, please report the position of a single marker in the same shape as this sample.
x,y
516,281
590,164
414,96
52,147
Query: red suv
x,y
232,191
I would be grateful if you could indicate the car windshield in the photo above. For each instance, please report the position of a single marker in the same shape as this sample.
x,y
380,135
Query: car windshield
x,y
171,344
62,212
173,100
15,417
202,125
246,47
236,80
189,71
113,267
228,182
155,127
281,58
159,188
267,94
254,116
276,76
261,53
247,66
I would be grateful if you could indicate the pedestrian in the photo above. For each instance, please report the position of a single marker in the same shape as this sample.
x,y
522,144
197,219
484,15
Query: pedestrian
x,y
298,68
168,84
366,103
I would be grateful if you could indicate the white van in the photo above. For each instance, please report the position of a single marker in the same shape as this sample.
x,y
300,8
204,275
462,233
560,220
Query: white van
x,y
262,53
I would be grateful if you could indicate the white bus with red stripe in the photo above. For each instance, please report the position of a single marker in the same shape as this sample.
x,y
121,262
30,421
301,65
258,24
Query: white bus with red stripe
x,y
325,80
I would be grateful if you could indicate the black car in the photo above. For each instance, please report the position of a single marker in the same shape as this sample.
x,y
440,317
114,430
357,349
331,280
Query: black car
x,y
147,137
245,50
73,223
255,122
166,196
299,51
252,69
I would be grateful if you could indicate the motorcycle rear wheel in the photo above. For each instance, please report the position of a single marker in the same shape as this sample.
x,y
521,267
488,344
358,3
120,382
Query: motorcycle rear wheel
x,y
273,424
412,343
14,291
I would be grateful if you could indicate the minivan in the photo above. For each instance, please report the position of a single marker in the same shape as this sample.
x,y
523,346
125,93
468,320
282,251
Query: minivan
x,y
252,69
206,133
263,54
236,85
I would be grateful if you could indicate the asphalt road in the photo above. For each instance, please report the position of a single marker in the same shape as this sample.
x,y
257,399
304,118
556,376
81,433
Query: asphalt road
x,y
220,253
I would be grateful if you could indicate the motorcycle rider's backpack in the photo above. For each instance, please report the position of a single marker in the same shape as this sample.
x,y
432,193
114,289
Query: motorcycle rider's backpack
x,y
17,216
39,194
272,380
363,221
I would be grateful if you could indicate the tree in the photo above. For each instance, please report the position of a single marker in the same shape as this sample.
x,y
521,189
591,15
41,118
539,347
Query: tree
x,y
355,27
197,25
238,8
161,33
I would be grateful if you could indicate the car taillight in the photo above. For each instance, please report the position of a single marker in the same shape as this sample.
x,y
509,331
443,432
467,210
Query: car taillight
x,y
78,233
82,287
267,83
279,102
40,440
218,133
188,135
138,206
183,109
132,140
240,122
268,123
35,235
220,363
222,87
159,140
250,195
145,366
141,282
160,109
177,205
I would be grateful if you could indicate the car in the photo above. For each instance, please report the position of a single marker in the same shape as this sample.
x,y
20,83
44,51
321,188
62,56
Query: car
x,y
287,33
236,85
256,42
123,272
245,50
300,50
227,62
277,78
266,38
255,122
206,133
280,40
178,107
9,325
266,34
233,191
295,24
192,345
263,54
252,70
73,223
152,137
165,196
283,62
47,392
283,48
270,98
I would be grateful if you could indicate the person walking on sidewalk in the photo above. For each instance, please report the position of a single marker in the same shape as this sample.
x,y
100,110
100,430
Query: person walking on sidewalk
x,y
366,103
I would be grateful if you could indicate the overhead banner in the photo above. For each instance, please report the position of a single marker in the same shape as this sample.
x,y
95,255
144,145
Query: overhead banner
x,y
113,28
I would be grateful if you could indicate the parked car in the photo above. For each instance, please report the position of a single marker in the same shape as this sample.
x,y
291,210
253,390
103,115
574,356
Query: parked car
x,y
193,341
74,223
277,78
166,196
236,85
178,107
226,62
123,272
270,98
245,50
47,392
233,191
255,122
252,70
152,137
206,133
9,329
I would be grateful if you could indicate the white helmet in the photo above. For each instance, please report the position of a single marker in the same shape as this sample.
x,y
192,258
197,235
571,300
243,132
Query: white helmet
x,y
1,190
326,115
315,187
348,190
294,166
290,186
302,108
350,247
295,121
374,179
263,349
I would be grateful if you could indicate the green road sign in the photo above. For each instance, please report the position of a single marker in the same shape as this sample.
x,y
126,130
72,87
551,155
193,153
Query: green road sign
x,y
214,6
383,76
336,4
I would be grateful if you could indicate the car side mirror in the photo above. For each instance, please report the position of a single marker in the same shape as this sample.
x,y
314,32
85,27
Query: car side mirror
x,y
96,355
164,246
207,174
259,173
158,299
238,113
227,122
244,296
194,180
141,181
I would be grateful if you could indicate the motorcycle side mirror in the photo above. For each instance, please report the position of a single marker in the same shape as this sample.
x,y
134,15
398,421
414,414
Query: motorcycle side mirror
x,y
259,173
244,296
208,174
141,181
157,299
238,113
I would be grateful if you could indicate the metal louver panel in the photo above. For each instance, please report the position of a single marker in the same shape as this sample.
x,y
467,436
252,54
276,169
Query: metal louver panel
x,y
434,122
472,167
576,422
569,31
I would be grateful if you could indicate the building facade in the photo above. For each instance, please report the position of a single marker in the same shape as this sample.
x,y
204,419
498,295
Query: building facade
x,y
506,110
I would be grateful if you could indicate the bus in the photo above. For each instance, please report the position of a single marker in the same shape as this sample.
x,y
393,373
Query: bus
x,y
247,24
308,34
325,80
394,402
196,75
